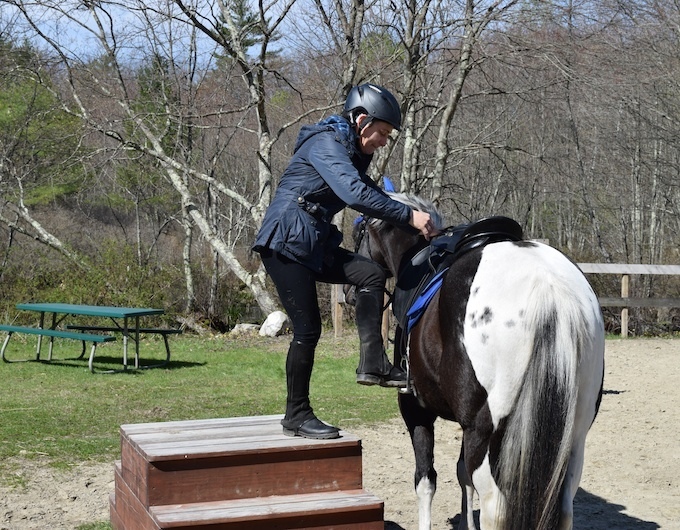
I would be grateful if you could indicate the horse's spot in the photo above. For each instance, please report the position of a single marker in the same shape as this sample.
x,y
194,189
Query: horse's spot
x,y
485,338
474,291
487,316
510,324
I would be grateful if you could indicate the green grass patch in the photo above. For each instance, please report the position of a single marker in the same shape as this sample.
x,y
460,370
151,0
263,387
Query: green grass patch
x,y
95,526
61,413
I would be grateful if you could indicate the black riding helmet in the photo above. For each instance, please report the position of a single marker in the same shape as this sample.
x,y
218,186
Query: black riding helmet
x,y
374,100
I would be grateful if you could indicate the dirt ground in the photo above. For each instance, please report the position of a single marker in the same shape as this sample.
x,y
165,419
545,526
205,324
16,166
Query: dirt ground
x,y
631,478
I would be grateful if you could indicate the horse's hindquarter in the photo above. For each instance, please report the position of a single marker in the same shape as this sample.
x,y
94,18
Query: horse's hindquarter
x,y
512,282
529,325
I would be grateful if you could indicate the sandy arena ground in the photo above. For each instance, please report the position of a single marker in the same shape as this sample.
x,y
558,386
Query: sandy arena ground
x,y
631,478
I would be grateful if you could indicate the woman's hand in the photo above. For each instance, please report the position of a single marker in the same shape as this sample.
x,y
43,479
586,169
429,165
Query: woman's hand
x,y
422,222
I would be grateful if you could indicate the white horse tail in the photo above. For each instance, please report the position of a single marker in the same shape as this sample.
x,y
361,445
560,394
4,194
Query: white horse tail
x,y
535,449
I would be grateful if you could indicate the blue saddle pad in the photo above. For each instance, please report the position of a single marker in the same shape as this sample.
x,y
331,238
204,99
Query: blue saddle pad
x,y
424,275
420,305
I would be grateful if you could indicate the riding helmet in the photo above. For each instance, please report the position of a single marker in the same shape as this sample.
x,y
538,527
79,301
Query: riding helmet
x,y
374,100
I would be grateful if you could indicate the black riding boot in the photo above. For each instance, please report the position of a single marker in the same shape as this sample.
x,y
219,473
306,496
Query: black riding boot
x,y
374,366
300,419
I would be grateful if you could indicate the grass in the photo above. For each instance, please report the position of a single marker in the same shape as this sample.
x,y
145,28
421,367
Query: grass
x,y
61,413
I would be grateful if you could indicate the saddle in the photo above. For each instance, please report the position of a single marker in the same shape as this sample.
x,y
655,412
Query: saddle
x,y
424,274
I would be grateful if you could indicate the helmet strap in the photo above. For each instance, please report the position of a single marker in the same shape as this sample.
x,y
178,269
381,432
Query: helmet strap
x,y
365,123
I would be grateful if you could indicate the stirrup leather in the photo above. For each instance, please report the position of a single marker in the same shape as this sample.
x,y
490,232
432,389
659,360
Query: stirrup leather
x,y
405,360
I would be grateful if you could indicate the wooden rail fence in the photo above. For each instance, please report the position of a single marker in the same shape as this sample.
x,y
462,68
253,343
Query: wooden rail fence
x,y
625,302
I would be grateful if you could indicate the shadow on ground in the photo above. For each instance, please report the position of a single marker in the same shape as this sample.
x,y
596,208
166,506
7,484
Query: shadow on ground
x,y
105,364
590,511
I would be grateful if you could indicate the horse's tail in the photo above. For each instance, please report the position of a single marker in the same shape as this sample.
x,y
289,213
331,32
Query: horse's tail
x,y
535,449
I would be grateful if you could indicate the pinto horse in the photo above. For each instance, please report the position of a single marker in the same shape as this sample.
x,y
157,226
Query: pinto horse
x,y
511,347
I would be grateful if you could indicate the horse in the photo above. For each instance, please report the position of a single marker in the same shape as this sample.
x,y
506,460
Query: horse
x,y
511,347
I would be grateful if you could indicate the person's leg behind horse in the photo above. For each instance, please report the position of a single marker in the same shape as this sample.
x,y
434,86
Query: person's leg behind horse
x,y
296,286
369,278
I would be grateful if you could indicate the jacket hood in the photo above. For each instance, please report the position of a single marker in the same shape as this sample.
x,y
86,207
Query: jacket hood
x,y
344,131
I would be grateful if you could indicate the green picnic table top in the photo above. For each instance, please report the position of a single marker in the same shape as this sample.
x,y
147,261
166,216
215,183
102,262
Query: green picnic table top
x,y
90,310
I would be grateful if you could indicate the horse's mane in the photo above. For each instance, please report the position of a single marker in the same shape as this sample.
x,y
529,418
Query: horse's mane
x,y
416,203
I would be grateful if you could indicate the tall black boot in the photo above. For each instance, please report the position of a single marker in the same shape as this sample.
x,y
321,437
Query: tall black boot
x,y
300,419
374,366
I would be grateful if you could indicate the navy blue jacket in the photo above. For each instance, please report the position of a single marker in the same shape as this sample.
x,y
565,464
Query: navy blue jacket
x,y
326,173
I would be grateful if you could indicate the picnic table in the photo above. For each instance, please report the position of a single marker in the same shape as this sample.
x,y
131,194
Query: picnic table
x,y
123,320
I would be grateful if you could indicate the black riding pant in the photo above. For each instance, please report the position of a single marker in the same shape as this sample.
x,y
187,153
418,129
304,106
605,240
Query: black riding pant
x,y
296,286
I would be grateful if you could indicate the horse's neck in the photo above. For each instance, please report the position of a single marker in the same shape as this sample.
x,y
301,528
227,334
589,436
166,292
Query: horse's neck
x,y
399,248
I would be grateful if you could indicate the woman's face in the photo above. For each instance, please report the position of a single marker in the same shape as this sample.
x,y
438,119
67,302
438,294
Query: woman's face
x,y
373,136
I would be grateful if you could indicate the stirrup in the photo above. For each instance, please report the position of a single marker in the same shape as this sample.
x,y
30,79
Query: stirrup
x,y
409,388
395,378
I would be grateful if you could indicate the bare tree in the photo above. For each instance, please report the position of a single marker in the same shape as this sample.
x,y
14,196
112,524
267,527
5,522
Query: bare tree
x,y
150,133
24,177
538,110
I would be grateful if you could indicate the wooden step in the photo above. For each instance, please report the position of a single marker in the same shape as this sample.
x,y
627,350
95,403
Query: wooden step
x,y
337,510
222,459
125,509
114,517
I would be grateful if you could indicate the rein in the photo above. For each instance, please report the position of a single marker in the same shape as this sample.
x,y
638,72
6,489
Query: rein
x,y
362,223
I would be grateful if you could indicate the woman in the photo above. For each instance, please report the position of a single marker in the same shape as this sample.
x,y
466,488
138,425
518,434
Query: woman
x,y
299,246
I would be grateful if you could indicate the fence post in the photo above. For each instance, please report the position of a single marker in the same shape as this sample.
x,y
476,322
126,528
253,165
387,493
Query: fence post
x,y
625,282
336,310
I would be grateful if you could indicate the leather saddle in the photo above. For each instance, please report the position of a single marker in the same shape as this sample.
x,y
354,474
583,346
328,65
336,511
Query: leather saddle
x,y
422,276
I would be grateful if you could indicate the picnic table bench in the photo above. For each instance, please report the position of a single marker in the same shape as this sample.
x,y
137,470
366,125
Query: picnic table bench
x,y
52,333
125,321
